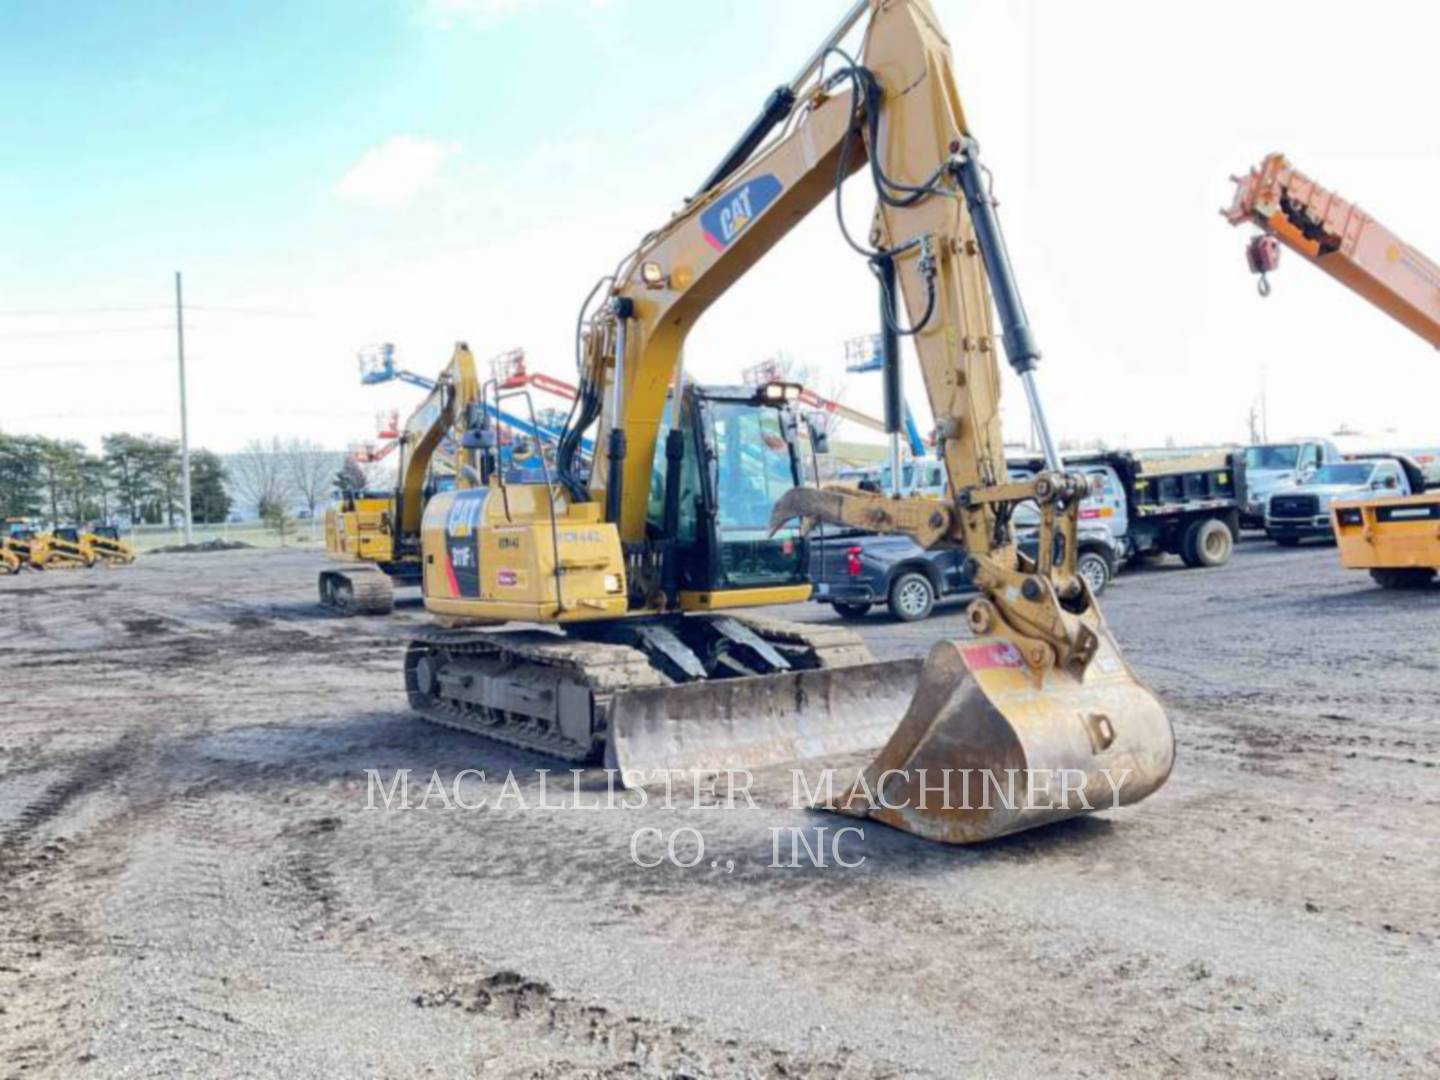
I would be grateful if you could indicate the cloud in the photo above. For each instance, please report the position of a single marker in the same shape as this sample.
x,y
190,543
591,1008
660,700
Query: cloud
x,y
395,171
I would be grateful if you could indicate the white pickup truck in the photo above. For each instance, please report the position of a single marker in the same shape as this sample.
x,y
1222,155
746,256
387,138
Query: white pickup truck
x,y
1266,467
1301,508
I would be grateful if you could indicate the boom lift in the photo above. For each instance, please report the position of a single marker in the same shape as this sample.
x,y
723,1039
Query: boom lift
x,y
635,559
1398,539
866,353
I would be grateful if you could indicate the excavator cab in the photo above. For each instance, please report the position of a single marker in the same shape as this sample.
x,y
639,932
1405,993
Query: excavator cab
x,y
740,455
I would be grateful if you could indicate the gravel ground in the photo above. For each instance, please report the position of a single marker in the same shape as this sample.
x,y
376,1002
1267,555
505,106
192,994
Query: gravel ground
x,y
191,880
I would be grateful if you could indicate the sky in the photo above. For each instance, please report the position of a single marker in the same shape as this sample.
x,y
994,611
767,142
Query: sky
x,y
332,174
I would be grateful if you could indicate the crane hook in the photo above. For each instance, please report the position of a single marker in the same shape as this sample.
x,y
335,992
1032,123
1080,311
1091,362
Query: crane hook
x,y
1263,285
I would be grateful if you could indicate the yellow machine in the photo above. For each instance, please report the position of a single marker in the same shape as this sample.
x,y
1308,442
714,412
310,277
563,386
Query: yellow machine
x,y
15,544
379,533
1396,539
103,544
60,549
645,559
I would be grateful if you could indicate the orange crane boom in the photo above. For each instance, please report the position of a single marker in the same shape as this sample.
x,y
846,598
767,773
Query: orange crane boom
x,y
1339,238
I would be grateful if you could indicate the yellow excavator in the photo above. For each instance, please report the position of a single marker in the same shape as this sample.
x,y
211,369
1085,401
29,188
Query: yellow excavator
x,y
377,534
639,566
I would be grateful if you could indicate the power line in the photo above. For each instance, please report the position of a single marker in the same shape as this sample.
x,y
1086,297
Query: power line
x,y
93,363
25,335
269,313
259,312
40,312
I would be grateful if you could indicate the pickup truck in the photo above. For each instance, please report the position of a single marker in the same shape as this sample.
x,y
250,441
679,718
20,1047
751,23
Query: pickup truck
x,y
853,571
1301,508
1264,467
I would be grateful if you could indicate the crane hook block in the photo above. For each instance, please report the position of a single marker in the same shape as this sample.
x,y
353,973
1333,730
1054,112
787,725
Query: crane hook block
x,y
1262,253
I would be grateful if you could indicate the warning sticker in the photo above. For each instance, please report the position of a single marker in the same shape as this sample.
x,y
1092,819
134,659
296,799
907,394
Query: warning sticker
x,y
509,579
993,654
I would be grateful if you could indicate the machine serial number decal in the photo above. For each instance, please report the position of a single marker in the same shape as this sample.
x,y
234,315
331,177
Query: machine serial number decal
x,y
729,217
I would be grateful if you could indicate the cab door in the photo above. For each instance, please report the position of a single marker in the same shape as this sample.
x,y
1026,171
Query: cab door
x,y
1107,506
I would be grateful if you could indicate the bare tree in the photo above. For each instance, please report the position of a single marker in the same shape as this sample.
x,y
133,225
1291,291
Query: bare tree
x,y
310,469
259,476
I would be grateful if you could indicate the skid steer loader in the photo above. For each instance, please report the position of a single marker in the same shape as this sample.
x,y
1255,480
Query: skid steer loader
x,y
60,549
104,544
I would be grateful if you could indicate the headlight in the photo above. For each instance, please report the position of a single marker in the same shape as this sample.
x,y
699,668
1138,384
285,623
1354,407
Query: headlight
x,y
777,393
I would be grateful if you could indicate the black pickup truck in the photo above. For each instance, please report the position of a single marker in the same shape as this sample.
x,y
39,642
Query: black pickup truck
x,y
853,571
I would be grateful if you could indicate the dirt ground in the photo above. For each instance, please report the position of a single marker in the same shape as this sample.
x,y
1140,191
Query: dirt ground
x,y
192,881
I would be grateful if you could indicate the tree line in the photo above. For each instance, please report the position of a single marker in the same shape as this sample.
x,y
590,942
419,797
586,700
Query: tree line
x,y
137,478
134,476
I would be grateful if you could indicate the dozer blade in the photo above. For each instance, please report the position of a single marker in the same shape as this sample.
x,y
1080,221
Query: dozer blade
x,y
985,750
753,722
981,748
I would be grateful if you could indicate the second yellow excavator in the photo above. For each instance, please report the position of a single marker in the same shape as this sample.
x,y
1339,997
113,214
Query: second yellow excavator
x,y
638,566
376,535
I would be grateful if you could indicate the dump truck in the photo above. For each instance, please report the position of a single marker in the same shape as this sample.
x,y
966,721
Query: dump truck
x,y
1184,506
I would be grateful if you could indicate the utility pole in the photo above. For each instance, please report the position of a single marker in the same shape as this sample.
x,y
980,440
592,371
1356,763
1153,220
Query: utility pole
x,y
184,415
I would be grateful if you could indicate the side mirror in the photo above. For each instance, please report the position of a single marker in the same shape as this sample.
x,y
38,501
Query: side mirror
x,y
478,434
819,437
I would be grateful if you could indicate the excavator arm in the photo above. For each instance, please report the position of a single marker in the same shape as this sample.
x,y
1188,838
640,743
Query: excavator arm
x,y
936,237
1043,684
441,413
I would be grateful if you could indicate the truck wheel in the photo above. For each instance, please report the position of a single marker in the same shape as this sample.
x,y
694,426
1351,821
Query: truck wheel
x,y
850,611
1207,543
1094,570
912,597
1403,577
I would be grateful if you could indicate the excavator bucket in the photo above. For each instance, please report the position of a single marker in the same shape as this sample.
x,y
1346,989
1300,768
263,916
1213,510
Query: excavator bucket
x,y
987,747
972,745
